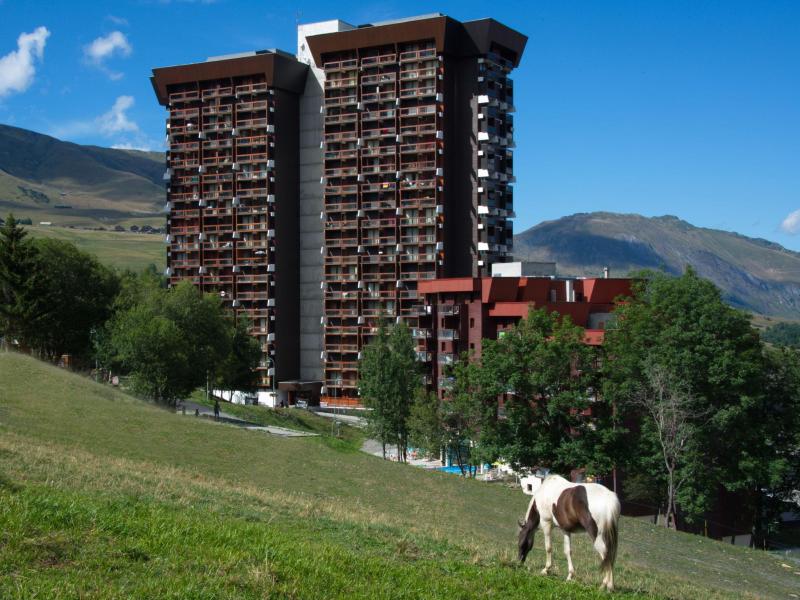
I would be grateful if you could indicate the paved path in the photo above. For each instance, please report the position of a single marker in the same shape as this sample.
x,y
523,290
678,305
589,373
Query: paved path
x,y
230,419
353,420
375,448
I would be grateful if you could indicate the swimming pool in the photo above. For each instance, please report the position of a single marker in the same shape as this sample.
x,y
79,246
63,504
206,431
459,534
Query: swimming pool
x,y
455,469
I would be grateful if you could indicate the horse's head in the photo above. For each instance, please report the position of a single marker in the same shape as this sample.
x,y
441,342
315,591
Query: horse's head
x,y
526,531
531,484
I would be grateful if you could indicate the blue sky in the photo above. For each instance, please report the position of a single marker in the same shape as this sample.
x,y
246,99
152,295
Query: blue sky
x,y
685,108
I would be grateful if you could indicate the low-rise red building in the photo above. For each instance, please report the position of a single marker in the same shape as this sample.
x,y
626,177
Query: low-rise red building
x,y
463,311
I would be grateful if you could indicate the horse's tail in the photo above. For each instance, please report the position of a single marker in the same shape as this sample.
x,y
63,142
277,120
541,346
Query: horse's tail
x,y
606,541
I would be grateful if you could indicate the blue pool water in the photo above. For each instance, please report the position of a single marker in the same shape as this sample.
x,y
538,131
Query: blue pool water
x,y
454,469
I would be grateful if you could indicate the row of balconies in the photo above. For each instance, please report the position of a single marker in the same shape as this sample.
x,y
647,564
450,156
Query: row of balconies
x,y
221,92
491,211
384,59
333,204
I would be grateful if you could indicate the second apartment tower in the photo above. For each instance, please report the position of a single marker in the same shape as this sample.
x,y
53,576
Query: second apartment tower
x,y
418,167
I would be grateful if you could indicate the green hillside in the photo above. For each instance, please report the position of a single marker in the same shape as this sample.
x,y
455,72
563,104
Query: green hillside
x,y
47,179
103,496
753,274
123,250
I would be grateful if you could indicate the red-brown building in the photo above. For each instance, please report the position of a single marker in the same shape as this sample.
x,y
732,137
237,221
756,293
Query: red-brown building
x,y
463,311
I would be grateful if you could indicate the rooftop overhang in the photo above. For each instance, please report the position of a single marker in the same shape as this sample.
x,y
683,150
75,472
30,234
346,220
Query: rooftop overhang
x,y
280,70
450,37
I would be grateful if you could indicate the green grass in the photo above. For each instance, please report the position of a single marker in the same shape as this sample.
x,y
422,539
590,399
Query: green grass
x,y
116,249
104,496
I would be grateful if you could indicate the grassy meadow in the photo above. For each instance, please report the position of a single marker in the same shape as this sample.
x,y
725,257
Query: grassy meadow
x,y
106,496
122,250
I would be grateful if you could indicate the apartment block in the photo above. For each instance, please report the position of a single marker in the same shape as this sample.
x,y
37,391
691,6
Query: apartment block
x,y
461,312
417,173
232,176
314,192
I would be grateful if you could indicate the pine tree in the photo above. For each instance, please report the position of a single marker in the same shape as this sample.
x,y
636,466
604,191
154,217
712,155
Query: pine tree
x,y
16,263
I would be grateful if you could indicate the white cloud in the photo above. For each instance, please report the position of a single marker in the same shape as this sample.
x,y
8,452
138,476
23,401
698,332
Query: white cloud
x,y
105,47
121,21
791,224
17,68
114,124
115,120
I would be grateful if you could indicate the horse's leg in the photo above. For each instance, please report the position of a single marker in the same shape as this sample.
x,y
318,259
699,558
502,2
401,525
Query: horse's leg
x,y
548,546
609,579
568,553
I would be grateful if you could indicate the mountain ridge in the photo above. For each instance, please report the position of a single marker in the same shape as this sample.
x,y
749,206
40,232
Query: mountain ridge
x,y
45,178
753,273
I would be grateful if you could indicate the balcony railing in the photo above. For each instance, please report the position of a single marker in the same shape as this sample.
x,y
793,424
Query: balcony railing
x,y
341,65
448,334
417,55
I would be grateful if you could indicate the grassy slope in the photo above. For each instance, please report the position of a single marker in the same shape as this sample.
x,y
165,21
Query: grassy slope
x,y
123,250
104,495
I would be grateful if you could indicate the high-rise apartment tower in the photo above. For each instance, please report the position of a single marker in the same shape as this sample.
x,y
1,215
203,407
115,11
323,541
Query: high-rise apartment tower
x,y
232,184
418,138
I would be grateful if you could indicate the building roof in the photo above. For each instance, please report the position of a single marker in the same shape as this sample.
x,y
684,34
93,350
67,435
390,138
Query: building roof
x,y
450,36
280,69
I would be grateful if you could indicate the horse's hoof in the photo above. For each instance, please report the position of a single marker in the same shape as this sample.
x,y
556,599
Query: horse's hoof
x,y
545,571
570,576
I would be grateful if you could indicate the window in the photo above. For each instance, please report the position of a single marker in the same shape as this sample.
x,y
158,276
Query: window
x,y
472,323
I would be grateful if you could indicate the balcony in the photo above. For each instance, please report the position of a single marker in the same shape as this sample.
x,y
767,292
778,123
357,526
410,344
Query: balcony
x,y
256,140
251,106
378,79
385,96
184,96
416,55
446,358
418,92
377,115
383,59
224,109
219,92
378,151
341,65
341,100
252,88
341,118
448,334
381,186
333,84
418,74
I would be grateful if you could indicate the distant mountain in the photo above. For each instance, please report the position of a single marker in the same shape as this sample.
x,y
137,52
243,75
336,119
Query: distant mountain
x,y
48,179
753,274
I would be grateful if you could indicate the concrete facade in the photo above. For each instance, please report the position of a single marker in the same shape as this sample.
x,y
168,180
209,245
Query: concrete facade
x,y
310,204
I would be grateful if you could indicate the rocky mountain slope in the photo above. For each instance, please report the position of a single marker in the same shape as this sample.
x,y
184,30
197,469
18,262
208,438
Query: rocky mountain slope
x,y
753,274
47,179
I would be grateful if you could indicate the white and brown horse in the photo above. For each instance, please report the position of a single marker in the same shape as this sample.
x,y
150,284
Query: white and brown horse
x,y
571,507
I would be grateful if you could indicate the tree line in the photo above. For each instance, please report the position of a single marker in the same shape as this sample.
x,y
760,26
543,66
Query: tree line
x,y
683,400
56,300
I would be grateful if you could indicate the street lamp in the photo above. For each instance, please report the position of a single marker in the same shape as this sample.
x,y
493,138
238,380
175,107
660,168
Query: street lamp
x,y
272,379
